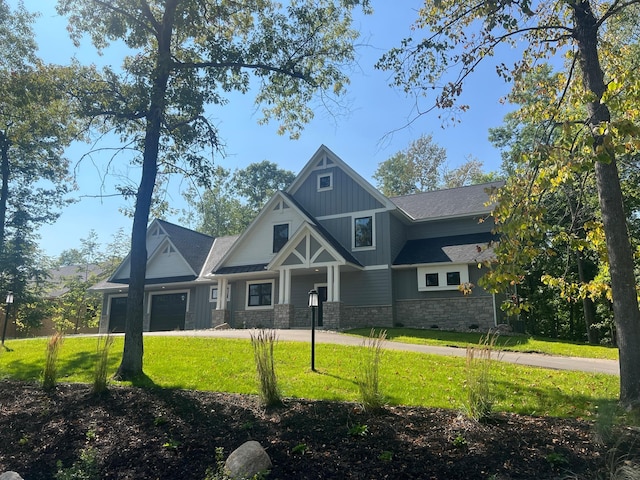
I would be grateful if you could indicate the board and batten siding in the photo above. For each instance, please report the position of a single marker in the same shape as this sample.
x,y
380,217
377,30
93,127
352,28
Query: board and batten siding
x,y
397,237
448,228
258,247
201,306
346,196
341,229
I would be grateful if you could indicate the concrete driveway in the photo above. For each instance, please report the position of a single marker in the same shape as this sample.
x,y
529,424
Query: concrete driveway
x,y
591,365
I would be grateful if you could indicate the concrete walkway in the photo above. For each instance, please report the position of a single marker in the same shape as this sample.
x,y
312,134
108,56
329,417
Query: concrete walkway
x,y
591,365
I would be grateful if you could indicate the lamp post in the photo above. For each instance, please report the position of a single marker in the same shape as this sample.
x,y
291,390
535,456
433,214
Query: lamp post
x,y
9,301
313,303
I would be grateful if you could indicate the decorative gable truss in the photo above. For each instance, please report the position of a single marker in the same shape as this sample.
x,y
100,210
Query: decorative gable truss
x,y
310,249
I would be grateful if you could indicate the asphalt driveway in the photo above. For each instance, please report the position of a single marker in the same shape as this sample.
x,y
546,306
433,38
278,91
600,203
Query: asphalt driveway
x,y
592,365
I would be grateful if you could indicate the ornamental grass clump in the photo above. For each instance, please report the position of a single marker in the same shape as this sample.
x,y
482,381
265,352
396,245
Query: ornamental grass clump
x,y
100,381
263,343
371,396
479,398
50,373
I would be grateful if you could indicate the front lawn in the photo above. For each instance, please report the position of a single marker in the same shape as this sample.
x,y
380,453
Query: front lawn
x,y
516,343
412,379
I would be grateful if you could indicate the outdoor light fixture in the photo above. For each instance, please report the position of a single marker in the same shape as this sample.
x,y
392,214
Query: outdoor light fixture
x,y
8,302
313,303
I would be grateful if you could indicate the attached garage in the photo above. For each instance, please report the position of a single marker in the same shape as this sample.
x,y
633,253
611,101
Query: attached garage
x,y
168,311
117,314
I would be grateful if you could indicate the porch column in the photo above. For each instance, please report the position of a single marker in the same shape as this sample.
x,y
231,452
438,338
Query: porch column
x,y
284,292
330,283
336,283
282,285
222,294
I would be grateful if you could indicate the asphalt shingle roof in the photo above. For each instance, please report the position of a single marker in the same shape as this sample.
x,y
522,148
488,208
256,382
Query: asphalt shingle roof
x,y
471,248
193,246
452,202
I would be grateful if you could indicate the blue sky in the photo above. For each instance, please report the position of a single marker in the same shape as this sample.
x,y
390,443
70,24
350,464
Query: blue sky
x,y
361,137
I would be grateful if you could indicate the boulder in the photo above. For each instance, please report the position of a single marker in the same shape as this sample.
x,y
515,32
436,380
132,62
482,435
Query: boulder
x,y
10,476
247,460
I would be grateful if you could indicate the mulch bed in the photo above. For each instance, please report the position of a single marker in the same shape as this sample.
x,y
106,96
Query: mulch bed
x,y
148,434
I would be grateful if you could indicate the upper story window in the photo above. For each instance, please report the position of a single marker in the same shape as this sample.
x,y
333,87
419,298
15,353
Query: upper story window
x,y
363,232
280,236
325,181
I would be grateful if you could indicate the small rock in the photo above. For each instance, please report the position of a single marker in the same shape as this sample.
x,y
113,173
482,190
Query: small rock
x,y
10,476
222,326
247,460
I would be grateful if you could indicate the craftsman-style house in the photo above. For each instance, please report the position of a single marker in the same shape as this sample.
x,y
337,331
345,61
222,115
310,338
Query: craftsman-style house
x,y
374,260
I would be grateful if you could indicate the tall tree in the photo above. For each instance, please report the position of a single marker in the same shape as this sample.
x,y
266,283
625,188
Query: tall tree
x,y
579,28
35,126
422,167
218,211
189,53
259,181
416,169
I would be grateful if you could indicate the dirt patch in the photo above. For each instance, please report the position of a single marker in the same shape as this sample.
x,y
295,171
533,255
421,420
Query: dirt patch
x,y
148,434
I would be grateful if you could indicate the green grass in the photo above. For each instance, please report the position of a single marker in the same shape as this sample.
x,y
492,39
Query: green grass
x,y
515,343
406,378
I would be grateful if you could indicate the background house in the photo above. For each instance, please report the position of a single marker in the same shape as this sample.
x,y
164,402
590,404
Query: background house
x,y
375,261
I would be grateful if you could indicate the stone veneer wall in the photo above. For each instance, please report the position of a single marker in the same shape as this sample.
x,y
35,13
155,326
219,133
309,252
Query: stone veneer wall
x,y
253,319
189,321
218,317
283,315
367,316
446,313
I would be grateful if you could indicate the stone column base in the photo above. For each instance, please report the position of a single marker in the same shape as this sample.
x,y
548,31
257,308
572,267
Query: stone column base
x,y
283,315
218,317
331,315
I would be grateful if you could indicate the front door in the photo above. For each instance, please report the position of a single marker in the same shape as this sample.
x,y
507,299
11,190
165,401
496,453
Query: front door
x,y
322,297
168,312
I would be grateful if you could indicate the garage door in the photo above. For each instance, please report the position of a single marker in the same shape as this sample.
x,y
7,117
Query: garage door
x,y
168,311
117,314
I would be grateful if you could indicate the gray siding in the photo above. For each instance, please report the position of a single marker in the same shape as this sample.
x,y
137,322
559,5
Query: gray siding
x,y
346,196
405,285
369,287
397,237
200,306
447,228
342,229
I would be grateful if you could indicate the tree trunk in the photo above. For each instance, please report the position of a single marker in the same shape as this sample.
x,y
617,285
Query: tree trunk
x,y
4,188
131,365
623,286
587,303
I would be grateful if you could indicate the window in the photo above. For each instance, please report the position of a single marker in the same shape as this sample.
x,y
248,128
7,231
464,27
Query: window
x,y
453,278
213,294
325,181
431,279
259,294
280,236
439,277
363,232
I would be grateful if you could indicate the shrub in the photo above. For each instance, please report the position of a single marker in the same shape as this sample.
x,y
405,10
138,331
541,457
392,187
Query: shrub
x,y
100,381
479,399
263,344
86,468
369,379
50,373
